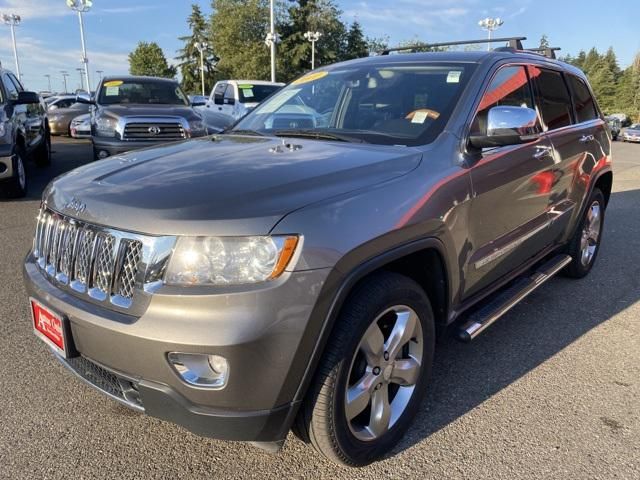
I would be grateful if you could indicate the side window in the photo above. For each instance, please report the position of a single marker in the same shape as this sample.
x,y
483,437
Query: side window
x,y
508,88
553,97
12,91
582,100
229,95
16,82
218,94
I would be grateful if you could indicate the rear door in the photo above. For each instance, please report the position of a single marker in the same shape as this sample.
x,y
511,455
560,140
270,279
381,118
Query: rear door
x,y
509,212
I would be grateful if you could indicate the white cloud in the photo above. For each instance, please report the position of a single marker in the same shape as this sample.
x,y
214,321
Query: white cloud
x,y
39,9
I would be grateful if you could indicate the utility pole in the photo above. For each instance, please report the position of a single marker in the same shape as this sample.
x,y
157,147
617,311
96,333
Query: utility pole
x,y
48,80
13,20
313,37
81,72
202,47
490,24
271,40
65,74
82,6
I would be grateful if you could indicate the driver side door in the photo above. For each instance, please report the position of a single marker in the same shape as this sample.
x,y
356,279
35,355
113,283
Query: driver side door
x,y
508,222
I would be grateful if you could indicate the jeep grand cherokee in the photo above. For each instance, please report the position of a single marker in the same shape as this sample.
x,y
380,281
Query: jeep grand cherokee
x,y
296,273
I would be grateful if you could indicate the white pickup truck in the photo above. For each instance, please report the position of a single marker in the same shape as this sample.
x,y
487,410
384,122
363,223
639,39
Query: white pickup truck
x,y
236,98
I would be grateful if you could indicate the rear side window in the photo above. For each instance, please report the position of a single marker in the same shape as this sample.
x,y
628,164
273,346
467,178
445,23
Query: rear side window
x,y
554,101
508,88
585,106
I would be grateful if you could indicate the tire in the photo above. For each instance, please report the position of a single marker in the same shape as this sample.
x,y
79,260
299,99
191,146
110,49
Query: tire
x,y
42,155
379,306
17,186
95,154
585,243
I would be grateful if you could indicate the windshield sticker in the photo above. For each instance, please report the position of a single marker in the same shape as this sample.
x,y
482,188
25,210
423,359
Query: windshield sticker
x,y
312,77
248,92
419,117
112,91
454,76
113,83
243,86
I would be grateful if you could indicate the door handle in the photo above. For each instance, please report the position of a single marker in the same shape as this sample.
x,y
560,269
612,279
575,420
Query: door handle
x,y
587,138
541,152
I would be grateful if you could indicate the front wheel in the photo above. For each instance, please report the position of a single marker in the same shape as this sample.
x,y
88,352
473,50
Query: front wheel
x,y
42,155
373,375
585,244
17,185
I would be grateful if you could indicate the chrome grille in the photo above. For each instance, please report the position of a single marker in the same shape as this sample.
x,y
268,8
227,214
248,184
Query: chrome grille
x,y
154,131
105,265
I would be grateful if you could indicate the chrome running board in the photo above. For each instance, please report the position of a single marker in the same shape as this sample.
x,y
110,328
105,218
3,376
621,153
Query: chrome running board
x,y
504,301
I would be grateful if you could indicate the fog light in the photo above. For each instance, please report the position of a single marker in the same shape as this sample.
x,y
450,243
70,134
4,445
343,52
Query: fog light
x,y
103,154
203,370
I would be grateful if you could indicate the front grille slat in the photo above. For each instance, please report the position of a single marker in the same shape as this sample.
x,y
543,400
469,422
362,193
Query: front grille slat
x,y
154,131
100,263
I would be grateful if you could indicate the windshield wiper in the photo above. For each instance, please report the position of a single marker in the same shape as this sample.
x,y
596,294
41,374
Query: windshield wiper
x,y
243,132
317,135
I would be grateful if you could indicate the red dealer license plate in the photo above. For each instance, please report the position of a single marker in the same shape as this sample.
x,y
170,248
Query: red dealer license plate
x,y
50,327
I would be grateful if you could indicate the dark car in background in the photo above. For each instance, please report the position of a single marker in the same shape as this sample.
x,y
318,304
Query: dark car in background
x,y
24,133
136,112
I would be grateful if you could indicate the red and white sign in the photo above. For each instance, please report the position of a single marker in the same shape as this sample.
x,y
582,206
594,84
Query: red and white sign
x,y
48,326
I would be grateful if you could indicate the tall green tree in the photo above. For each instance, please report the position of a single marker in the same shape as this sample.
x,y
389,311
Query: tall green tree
x,y
189,55
148,59
544,41
237,32
357,45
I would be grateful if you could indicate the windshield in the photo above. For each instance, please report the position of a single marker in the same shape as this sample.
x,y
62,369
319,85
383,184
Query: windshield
x,y
255,93
404,104
635,126
142,92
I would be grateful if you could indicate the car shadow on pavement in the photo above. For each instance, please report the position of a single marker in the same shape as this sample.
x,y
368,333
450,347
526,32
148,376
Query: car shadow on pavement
x,y
548,321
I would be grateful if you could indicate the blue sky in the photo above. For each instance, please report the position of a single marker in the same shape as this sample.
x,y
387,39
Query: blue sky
x,y
49,39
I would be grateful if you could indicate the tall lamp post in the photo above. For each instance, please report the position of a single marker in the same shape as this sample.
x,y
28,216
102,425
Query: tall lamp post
x,y
490,24
81,72
202,47
272,39
48,80
13,20
313,37
82,6
65,74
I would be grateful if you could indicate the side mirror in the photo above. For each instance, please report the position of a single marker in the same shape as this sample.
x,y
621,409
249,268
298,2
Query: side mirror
x,y
84,98
508,126
198,103
26,98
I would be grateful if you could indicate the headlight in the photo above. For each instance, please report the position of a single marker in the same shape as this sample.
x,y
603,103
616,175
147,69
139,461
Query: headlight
x,y
229,260
197,127
106,126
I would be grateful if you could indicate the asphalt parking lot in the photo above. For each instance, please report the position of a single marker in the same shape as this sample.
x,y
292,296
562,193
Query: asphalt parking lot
x,y
551,391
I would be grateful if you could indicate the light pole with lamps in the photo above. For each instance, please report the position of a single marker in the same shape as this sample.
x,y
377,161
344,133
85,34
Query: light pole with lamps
x,y
272,39
82,6
81,72
313,37
48,80
202,47
13,21
490,24
65,74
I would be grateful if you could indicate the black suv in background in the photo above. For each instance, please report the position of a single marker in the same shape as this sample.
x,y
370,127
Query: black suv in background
x,y
24,132
136,112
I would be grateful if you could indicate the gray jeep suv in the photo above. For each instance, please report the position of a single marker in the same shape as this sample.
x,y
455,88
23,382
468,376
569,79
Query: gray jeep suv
x,y
296,271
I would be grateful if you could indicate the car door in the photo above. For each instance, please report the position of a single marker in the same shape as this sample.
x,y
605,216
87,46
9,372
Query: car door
x,y
508,222
579,138
17,113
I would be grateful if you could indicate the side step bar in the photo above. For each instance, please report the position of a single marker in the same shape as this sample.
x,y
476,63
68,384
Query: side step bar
x,y
507,299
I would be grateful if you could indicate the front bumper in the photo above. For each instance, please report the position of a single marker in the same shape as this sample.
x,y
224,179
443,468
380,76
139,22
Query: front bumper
x,y
6,162
634,139
257,331
59,128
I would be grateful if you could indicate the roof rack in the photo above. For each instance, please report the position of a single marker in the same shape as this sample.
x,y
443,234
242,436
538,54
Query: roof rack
x,y
549,52
514,43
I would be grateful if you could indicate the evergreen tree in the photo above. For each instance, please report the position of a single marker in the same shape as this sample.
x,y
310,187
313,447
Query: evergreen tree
x,y
357,46
603,83
189,55
149,60
544,41
590,61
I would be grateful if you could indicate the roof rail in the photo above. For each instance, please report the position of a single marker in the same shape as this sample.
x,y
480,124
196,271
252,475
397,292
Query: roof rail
x,y
514,42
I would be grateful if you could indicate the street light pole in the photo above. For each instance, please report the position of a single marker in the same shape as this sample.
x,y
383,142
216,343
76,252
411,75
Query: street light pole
x,y
490,24
313,37
48,80
202,46
271,40
65,74
81,72
82,6
13,20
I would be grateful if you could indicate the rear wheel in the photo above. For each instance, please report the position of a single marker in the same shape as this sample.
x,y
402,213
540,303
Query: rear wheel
x,y
372,377
585,244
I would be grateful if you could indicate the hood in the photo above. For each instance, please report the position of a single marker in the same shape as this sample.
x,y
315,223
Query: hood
x,y
122,110
225,185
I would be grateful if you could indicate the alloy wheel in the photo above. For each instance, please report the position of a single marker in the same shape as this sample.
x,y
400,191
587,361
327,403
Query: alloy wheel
x,y
590,233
